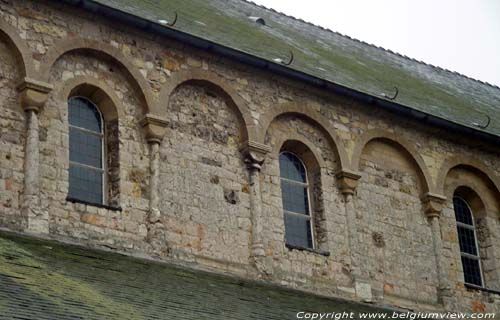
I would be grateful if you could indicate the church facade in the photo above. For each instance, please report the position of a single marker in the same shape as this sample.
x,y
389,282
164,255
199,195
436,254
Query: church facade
x,y
119,137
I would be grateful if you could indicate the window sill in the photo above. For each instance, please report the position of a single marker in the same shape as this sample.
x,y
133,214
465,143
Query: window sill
x,y
474,287
98,205
316,251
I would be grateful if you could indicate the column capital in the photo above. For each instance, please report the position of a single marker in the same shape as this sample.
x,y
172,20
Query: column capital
x,y
433,204
34,94
155,127
348,181
255,153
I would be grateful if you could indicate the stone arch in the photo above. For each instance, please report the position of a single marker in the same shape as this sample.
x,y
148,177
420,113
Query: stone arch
x,y
475,190
216,83
468,162
21,51
302,109
109,105
404,145
304,141
96,90
138,82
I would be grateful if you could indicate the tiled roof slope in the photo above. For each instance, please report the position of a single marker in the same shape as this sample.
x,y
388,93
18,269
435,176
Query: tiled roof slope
x,y
46,280
329,56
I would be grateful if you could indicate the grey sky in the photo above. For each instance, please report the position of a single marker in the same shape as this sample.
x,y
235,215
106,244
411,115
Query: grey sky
x,y
459,35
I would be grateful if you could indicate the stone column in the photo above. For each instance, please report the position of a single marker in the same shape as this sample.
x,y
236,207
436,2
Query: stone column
x,y
254,158
348,181
33,96
433,206
155,128
154,175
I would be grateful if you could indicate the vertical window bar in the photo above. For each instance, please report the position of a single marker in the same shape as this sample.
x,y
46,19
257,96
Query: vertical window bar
x,y
467,237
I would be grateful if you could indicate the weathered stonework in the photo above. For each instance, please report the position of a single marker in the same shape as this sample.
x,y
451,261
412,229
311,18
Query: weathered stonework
x,y
193,150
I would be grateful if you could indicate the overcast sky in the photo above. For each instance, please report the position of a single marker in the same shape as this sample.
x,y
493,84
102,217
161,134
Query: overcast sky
x,y
459,35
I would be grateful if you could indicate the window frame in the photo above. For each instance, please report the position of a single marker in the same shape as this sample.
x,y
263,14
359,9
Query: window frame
x,y
308,217
104,155
473,228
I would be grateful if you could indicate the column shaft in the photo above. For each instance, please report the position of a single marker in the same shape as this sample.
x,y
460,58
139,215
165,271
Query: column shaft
x,y
256,211
154,176
350,214
37,218
32,156
437,245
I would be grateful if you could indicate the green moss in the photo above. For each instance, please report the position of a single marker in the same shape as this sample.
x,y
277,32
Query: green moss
x,y
28,270
46,280
328,56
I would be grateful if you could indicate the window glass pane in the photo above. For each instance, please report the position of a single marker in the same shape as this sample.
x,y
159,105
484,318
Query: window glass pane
x,y
85,184
298,231
84,114
85,148
291,168
472,272
467,240
462,211
294,197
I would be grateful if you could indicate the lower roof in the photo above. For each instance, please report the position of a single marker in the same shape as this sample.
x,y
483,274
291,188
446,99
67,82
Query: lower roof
x,y
47,280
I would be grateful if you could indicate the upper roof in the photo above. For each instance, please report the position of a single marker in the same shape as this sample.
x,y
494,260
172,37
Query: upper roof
x,y
46,280
330,56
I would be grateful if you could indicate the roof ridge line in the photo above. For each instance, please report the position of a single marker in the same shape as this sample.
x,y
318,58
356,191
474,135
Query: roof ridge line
x,y
373,45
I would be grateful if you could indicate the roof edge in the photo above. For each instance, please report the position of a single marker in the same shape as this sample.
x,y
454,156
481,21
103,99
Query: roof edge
x,y
280,69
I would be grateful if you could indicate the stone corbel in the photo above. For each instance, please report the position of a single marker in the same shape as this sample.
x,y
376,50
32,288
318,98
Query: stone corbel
x,y
348,181
433,204
155,127
33,94
255,154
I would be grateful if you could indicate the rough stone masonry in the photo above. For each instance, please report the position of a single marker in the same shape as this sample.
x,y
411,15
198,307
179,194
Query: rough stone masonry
x,y
193,142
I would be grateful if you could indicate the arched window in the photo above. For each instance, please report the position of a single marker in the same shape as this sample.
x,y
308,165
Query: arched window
x,y
86,151
296,205
469,250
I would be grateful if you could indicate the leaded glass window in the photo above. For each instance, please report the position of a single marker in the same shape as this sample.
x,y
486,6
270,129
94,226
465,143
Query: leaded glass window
x,y
471,261
295,197
86,151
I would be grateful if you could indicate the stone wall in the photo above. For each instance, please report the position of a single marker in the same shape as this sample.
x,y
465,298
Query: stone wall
x,y
195,174
12,139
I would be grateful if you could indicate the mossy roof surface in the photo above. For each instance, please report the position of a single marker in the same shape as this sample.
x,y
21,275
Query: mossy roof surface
x,y
329,56
46,280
